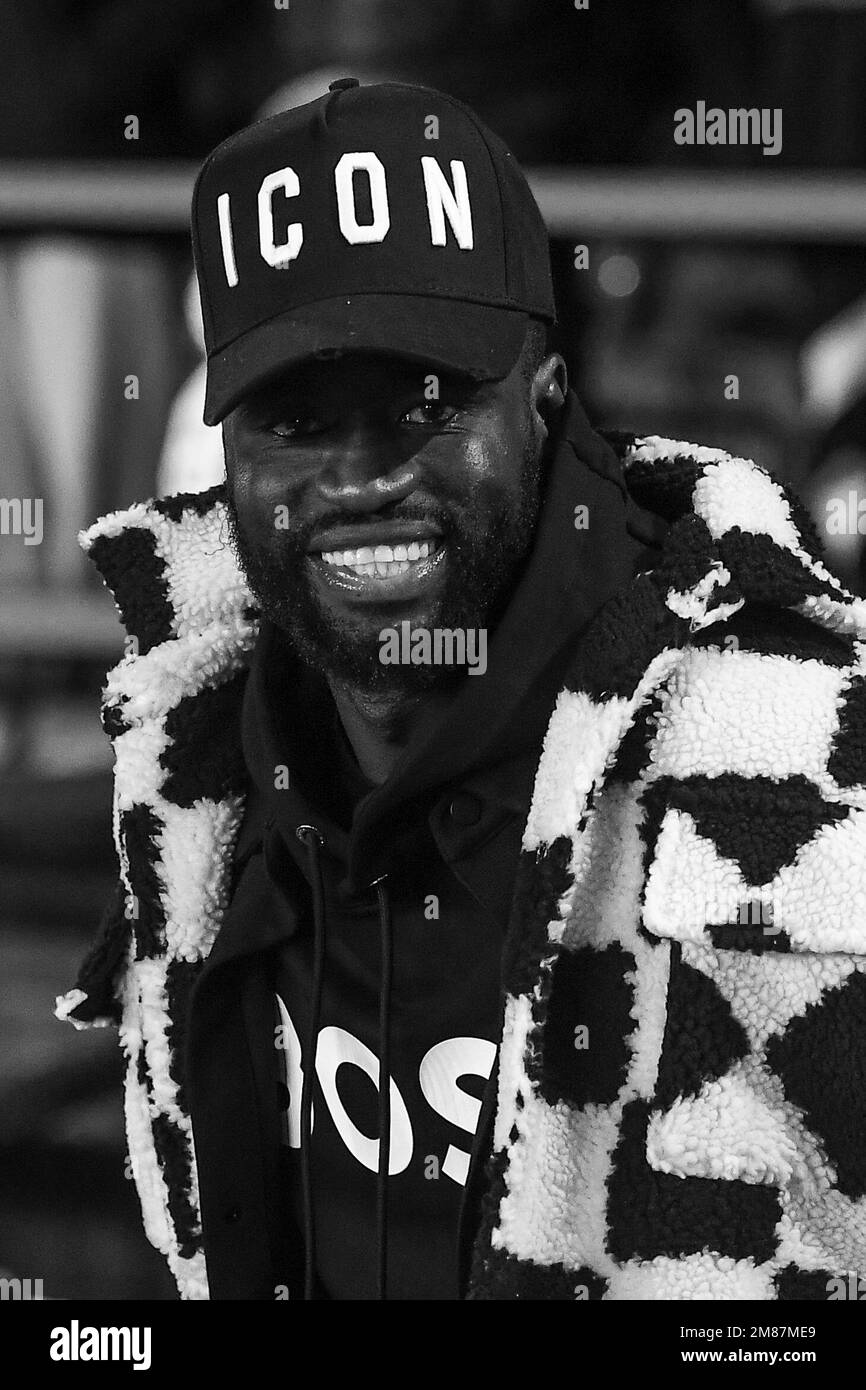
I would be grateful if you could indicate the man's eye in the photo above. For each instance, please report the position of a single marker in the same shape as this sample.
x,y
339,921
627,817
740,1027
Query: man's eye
x,y
434,413
296,426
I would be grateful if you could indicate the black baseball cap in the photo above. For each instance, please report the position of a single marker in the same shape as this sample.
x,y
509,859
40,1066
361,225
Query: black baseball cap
x,y
383,218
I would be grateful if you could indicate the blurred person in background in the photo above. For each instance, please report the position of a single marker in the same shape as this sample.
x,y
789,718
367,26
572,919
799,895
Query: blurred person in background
x,y
833,362
521,969
83,304
96,80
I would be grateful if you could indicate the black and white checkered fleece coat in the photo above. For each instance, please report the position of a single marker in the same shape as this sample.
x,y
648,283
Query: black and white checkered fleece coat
x,y
682,1071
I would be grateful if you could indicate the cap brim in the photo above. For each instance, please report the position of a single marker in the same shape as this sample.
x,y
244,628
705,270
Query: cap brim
x,y
479,340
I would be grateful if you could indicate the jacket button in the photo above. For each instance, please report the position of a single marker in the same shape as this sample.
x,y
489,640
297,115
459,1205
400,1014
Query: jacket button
x,y
465,809
232,1214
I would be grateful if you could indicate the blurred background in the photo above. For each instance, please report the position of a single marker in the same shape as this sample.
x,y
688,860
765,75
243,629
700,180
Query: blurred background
x,y
699,263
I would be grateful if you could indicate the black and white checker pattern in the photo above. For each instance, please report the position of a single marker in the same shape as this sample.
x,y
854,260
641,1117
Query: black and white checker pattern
x,y
708,1140
708,750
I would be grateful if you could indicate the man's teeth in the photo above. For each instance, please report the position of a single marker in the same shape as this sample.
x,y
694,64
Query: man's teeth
x,y
380,560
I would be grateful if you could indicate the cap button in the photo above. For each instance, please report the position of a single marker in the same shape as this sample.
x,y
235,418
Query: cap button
x,y
342,83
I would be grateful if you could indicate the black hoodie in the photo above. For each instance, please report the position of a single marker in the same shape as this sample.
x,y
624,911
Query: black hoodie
x,y
380,926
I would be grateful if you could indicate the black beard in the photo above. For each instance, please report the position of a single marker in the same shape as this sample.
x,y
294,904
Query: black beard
x,y
482,568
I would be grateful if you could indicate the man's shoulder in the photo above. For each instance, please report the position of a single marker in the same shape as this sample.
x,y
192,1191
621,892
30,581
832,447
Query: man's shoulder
x,y
120,540
169,566
736,535
673,478
735,624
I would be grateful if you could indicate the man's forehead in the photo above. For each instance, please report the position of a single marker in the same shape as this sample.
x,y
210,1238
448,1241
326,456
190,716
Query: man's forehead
x,y
334,367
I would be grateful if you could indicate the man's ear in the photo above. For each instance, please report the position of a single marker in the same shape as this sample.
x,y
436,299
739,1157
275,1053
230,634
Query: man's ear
x,y
548,390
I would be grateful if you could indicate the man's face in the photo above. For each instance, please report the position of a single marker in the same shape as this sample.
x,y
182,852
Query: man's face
x,y
358,499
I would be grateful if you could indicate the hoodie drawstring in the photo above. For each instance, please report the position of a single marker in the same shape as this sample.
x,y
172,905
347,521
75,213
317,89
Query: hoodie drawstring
x,y
309,835
386,952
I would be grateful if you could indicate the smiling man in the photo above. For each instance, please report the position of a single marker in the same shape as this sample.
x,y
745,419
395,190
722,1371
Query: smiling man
x,y
357,503
547,984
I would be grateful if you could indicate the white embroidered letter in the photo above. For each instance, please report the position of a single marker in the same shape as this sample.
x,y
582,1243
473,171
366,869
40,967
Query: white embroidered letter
x,y
442,199
224,213
354,231
278,256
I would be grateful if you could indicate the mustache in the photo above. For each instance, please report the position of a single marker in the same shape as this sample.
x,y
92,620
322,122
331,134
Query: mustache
x,y
299,534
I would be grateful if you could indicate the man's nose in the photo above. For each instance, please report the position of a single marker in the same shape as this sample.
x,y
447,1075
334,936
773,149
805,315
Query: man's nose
x,y
365,468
